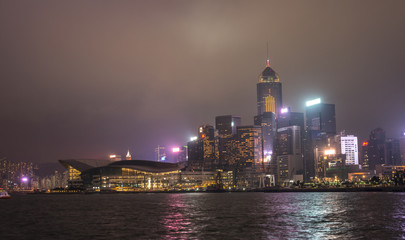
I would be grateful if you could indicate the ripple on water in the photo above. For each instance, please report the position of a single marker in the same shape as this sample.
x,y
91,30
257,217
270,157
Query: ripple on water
x,y
205,216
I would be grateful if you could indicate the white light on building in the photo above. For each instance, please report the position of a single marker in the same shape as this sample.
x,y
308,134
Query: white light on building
x,y
313,102
350,148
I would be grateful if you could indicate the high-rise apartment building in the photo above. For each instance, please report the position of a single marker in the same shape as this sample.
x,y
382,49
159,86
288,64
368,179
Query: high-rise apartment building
x,y
249,147
225,142
349,147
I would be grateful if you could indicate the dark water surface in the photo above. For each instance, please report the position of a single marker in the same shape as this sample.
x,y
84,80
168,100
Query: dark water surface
x,y
205,216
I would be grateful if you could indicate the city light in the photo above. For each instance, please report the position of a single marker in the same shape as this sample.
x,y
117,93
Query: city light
x,y
313,102
113,156
232,124
176,149
330,152
193,138
365,143
284,110
24,179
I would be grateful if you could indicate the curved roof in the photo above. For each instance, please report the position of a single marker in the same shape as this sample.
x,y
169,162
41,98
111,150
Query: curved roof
x,y
141,165
147,166
84,164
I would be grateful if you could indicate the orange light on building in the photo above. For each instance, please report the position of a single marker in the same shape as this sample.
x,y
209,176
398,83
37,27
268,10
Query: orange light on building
x,y
365,143
203,136
330,152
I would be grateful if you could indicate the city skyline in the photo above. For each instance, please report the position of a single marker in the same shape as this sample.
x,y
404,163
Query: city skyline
x,y
59,103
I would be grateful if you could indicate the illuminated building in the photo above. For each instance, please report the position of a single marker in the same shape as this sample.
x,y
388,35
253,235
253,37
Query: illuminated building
x,y
225,143
364,155
374,149
140,175
289,155
115,157
160,154
320,124
392,154
320,118
402,147
269,103
389,172
349,146
331,165
128,156
269,94
359,176
226,125
16,175
267,122
75,167
249,147
201,152
287,118
56,180
177,155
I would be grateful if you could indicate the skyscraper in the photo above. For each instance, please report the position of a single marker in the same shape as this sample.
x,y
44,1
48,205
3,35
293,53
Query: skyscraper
x,y
250,147
269,96
269,102
201,152
392,152
267,121
349,146
320,125
376,147
402,147
289,154
160,153
226,127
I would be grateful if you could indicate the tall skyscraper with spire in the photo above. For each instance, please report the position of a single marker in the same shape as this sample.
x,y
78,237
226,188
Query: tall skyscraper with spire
x,y
269,104
269,91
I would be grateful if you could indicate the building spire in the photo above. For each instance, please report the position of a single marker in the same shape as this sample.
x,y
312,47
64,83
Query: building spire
x,y
128,157
268,60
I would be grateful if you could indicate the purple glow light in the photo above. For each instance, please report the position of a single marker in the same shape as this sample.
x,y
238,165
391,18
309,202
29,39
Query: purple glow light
x,y
24,179
284,110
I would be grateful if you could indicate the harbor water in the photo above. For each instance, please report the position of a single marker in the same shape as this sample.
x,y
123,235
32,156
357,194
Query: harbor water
x,y
295,215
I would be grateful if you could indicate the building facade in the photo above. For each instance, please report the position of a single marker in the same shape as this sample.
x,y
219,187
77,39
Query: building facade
x,y
320,125
349,146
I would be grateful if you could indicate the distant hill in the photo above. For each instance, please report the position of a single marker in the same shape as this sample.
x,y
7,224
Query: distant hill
x,y
46,169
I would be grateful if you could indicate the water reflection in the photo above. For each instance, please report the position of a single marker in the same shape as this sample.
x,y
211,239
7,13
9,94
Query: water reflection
x,y
206,216
176,222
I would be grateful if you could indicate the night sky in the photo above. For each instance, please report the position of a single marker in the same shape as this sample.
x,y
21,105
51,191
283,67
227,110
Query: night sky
x,y
82,79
